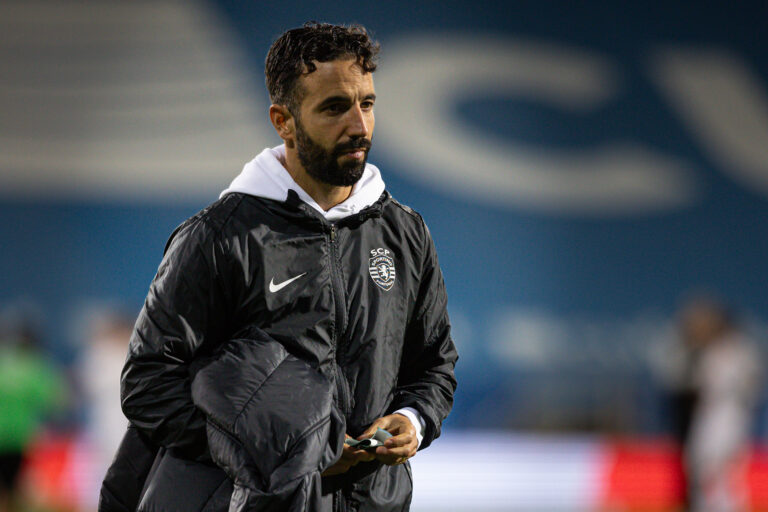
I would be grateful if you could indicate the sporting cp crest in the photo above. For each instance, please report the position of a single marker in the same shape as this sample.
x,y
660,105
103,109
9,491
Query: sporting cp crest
x,y
381,266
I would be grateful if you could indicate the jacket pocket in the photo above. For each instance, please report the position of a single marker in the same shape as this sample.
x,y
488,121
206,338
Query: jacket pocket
x,y
389,490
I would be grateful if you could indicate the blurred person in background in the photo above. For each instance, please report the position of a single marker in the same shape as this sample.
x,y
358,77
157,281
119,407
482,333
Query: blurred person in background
x,y
30,390
99,377
717,372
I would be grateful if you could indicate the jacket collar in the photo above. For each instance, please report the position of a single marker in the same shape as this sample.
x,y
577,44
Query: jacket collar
x,y
266,176
304,213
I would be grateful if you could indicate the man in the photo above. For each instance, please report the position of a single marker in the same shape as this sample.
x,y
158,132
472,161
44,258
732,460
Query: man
x,y
307,245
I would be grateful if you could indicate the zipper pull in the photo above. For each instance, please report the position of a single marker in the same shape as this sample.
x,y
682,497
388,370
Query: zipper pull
x,y
333,232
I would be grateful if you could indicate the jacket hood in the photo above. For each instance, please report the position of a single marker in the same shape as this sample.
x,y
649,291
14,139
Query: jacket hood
x,y
266,176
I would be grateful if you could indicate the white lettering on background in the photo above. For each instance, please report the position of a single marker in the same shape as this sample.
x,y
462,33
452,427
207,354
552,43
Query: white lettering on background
x,y
724,105
423,77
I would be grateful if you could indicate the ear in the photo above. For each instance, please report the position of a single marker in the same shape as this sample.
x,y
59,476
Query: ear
x,y
284,123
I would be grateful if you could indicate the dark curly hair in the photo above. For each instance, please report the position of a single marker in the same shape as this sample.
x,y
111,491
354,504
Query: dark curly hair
x,y
294,53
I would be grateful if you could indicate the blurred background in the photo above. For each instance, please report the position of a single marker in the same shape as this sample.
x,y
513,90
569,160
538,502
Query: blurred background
x,y
595,177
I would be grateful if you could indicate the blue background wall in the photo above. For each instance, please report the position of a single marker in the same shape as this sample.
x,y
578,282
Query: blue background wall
x,y
557,310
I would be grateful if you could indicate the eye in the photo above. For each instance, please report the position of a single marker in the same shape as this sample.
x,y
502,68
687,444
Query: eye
x,y
367,105
336,108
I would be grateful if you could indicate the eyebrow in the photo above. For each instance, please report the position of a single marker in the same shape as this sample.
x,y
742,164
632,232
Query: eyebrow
x,y
343,99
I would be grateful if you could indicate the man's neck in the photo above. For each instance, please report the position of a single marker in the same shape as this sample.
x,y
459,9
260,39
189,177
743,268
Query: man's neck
x,y
327,196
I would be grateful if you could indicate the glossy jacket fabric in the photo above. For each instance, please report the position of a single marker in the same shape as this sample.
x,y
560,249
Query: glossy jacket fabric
x,y
273,426
124,482
365,304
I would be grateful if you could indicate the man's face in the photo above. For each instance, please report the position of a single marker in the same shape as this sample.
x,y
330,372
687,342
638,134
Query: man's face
x,y
335,122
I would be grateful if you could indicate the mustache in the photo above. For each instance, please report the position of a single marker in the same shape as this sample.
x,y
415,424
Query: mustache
x,y
352,145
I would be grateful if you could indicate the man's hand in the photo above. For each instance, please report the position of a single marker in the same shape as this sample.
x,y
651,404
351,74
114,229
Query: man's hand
x,y
403,443
349,457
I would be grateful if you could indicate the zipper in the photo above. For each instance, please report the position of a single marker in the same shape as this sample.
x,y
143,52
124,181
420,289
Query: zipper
x,y
337,285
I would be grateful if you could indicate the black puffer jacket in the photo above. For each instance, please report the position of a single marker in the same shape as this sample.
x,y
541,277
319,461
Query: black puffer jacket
x,y
362,299
273,426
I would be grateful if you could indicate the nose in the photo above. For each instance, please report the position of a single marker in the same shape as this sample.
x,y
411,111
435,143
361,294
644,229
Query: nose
x,y
359,124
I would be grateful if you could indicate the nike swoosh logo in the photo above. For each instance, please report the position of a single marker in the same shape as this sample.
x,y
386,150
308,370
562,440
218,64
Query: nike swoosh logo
x,y
276,287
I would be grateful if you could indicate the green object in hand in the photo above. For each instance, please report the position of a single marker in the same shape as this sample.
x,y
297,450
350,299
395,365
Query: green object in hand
x,y
370,443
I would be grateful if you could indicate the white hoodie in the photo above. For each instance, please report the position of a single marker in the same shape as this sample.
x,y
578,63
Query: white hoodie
x,y
266,176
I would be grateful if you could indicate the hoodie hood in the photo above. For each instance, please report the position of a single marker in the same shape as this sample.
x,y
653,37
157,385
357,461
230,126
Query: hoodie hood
x,y
266,176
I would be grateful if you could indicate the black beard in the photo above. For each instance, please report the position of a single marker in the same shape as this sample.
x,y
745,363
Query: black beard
x,y
324,165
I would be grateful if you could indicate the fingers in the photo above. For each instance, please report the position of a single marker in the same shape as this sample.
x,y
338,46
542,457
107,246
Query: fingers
x,y
392,457
346,452
403,443
361,455
397,449
394,424
349,458
400,440
346,461
366,456
398,424
379,423
354,455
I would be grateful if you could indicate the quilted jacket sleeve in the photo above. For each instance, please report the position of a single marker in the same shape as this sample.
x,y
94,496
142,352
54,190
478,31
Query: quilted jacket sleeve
x,y
184,312
426,379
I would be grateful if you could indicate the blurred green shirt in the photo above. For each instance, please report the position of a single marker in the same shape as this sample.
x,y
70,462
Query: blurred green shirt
x,y
29,389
